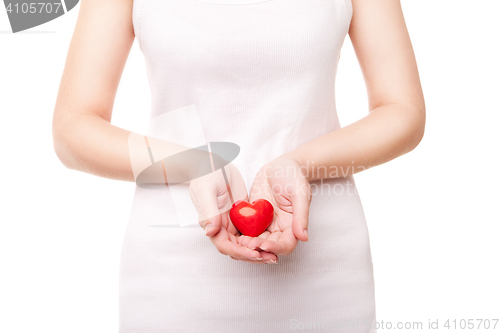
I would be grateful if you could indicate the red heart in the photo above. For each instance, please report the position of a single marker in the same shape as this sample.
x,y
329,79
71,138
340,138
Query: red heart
x,y
252,219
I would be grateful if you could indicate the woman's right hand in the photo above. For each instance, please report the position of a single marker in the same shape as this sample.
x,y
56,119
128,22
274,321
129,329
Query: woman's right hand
x,y
212,198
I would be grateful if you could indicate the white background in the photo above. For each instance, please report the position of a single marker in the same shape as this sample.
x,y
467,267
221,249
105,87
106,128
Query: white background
x,y
432,214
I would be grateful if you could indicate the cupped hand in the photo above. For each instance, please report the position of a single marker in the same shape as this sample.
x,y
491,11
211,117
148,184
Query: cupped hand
x,y
284,184
212,197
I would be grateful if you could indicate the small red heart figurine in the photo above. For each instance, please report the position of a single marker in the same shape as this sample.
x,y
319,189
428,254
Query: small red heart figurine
x,y
252,219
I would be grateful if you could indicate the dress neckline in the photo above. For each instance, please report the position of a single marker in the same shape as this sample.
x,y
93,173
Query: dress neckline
x,y
232,2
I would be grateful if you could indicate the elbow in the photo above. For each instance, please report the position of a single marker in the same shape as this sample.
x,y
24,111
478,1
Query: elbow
x,y
61,144
416,128
59,148
62,154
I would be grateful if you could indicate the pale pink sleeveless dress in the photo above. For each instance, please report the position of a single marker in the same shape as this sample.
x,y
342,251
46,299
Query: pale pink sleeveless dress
x,y
260,74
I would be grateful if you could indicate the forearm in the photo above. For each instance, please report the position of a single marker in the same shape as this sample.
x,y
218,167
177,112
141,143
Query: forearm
x,y
385,133
90,144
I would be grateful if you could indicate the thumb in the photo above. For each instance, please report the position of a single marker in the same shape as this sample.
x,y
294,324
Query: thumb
x,y
301,200
205,201
212,225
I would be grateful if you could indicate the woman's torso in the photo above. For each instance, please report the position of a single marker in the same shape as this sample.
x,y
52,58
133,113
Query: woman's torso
x,y
260,74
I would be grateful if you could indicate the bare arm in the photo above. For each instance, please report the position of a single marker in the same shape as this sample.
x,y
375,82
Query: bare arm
x,y
396,121
84,139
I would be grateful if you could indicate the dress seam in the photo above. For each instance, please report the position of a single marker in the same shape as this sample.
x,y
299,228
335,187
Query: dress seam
x,y
137,9
348,12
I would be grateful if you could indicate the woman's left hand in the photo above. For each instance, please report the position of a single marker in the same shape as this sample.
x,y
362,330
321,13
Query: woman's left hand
x,y
282,183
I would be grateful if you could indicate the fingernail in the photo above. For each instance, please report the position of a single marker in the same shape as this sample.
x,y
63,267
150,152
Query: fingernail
x,y
271,262
263,248
208,227
255,258
306,234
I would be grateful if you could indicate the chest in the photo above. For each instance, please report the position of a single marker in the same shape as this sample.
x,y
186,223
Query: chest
x,y
259,34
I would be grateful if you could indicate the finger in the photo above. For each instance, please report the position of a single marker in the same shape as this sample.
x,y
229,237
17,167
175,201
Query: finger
x,y
301,199
283,246
272,247
255,261
205,201
231,248
237,185
232,229
269,258
256,242
243,240
233,238
225,246
274,237
265,234
253,242
248,260
211,226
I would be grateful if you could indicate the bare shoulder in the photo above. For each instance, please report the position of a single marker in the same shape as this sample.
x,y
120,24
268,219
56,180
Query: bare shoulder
x,y
98,51
116,11
374,18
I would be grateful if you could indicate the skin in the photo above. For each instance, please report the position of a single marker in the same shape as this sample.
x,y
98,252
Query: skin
x,y
394,125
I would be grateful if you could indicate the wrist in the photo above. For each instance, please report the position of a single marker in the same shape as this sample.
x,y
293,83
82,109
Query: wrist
x,y
296,160
295,157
